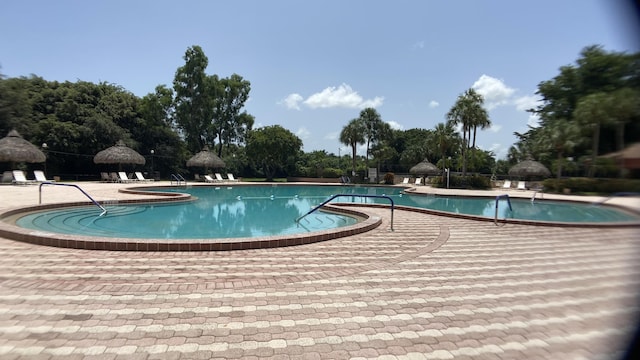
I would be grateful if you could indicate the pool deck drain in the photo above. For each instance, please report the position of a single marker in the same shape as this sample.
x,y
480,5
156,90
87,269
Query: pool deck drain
x,y
435,288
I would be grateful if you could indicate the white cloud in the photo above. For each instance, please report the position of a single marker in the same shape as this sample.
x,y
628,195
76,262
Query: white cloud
x,y
332,135
534,120
494,91
433,104
292,101
525,103
499,150
303,133
332,97
418,45
395,125
495,128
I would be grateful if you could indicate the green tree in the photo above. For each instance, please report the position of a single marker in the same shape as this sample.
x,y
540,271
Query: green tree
x,y
592,113
560,136
194,100
353,135
468,111
446,139
230,125
375,130
273,148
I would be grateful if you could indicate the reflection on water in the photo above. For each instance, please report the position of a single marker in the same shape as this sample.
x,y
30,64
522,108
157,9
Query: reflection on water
x,y
249,211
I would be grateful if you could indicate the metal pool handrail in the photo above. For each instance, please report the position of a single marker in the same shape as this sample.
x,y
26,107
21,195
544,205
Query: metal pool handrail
x,y
178,179
495,219
104,211
356,195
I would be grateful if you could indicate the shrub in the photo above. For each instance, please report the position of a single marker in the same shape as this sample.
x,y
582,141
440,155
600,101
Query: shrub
x,y
590,185
331,173
461,182
389,178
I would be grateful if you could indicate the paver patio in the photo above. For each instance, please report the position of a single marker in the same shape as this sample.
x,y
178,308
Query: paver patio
x,y
435,288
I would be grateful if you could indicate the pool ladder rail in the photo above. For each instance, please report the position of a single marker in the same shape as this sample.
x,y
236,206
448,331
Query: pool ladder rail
x,y
104,211
495,219
178,179
352,195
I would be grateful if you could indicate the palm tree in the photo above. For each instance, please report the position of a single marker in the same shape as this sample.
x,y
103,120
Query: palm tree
x,y
560,136
468,112
445,138
353,135
374,127
592,112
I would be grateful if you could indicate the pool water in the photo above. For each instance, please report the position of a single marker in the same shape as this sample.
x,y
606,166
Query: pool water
x,y
252,211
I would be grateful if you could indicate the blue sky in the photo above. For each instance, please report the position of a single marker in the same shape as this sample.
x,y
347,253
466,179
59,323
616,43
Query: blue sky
x,y
313,65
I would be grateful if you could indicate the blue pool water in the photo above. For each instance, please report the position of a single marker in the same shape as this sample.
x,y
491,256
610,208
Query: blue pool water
x,y
251,211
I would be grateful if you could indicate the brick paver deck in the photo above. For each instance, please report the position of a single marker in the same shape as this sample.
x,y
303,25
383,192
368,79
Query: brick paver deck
x,y
435,288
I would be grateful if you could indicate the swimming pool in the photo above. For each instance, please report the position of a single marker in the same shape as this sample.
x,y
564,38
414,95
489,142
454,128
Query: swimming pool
x,y
258,210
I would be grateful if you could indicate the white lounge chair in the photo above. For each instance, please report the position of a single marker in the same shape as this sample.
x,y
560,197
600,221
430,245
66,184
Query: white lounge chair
x,y
122,177
418,181
231,177
405,181
20,179
219,177
40,176
141,177
522,185
507,184
208,178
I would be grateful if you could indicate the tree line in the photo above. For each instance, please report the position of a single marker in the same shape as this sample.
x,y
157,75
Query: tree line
x,y
588,109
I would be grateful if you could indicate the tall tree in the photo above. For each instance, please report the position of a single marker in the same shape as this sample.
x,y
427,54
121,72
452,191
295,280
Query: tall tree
x,y
560,136
375,129
230,125
468,111
353,135
445,138
591,113
194,103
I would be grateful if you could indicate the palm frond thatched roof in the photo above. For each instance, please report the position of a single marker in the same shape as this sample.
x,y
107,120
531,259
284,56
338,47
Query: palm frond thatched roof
x,y
205,159
424,168
13,148
119,154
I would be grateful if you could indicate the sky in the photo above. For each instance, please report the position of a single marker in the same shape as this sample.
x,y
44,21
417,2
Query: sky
x,y
314,65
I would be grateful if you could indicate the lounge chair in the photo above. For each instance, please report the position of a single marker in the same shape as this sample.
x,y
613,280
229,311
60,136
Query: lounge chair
x,y
208,178
418,181
231,177
522,185
507,184
219,177
140,177
40,176
104,177
405,181
122,177
114,177
20,179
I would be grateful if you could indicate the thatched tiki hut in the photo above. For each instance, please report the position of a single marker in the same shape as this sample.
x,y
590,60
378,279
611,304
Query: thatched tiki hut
x,y
119,154
424,168
15,149
529,169
206,160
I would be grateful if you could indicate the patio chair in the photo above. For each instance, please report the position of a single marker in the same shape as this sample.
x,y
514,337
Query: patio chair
x,y
231,177
522,185
141,177
114,177
507,184
405,181
208,178
7,177
40,176
122,177
104,177
219,177
418,181
19,178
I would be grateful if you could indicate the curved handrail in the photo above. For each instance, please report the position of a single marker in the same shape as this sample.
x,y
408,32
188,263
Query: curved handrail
x,y
356,195
178,179
104,211
495,219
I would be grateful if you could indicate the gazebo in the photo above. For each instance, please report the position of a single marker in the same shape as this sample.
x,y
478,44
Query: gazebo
x,y
15,149
529,169
205,159
119,154
424,168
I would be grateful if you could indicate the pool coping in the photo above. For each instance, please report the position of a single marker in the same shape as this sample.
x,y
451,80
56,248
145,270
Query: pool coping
x,y
11,231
